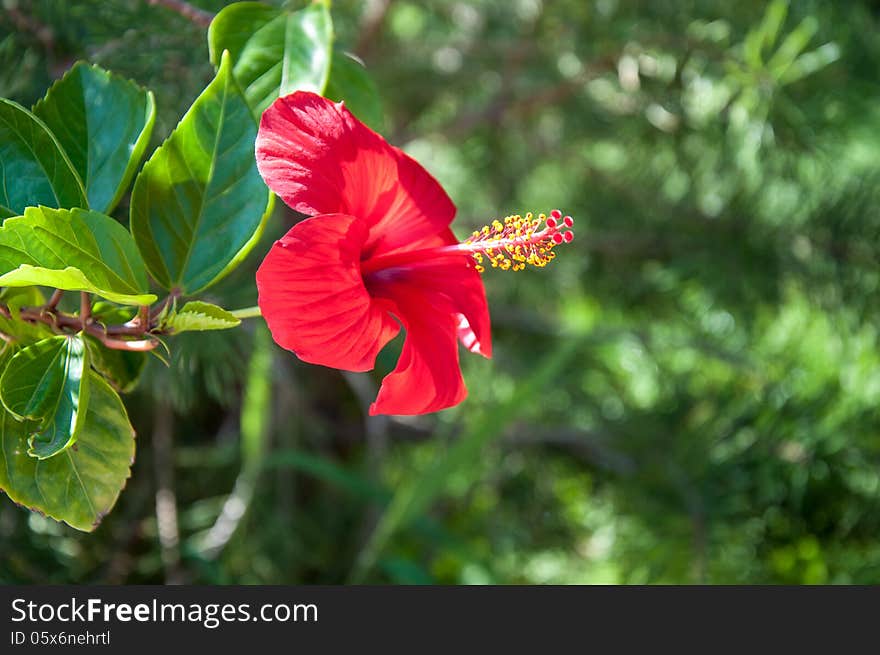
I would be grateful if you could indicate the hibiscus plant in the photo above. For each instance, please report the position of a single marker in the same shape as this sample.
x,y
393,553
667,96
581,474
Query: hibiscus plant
x,y
89,294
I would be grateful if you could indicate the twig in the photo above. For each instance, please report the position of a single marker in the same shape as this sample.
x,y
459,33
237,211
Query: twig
x,y
85,309
198,16
57,295
109,335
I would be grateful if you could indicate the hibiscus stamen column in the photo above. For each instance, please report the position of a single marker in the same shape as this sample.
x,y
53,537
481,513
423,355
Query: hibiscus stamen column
x,y
509,244
519,241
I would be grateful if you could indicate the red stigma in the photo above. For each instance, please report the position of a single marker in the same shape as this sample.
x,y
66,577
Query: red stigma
x,y
568,221
568,236
556,214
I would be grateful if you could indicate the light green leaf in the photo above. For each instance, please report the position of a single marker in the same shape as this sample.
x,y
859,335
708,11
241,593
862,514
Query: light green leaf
x,y
104,123
80,485
121,368
196,316
17,297
48,382
199,204
275,52
811,62
793,45
16,332
350,82
764,35
34,169
75,250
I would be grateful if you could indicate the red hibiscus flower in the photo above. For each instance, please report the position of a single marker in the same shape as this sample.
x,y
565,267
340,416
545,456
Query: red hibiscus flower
x,y
376,254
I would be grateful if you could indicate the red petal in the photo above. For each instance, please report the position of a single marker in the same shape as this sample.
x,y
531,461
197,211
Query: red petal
x,y
427,377
320,159
314,300
436,301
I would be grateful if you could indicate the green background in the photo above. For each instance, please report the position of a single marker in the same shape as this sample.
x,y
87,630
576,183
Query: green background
x,y
688,394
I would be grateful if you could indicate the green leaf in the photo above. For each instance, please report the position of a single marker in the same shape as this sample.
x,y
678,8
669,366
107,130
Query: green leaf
x,y
349,81
104,123
48,382
764,35
34,169
18,297
17,332
121,368
74,250
108,313
811,62
275,52
793,45
196,316
80,485
199,204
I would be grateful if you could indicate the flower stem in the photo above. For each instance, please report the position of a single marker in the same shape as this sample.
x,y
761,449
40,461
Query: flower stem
x,y
247,312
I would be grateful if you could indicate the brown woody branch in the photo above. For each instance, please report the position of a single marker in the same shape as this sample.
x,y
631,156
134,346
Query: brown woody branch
x,y
112,336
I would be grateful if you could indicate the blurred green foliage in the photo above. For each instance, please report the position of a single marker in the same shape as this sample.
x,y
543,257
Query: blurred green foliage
x,y
688,394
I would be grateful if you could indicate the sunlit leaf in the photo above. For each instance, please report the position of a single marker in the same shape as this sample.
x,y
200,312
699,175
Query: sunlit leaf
x,y
74,250
199,204
16,331
275,52
197,316
104,123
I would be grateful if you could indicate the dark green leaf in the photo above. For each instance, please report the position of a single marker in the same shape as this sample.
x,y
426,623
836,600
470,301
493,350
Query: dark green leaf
x,y
275,52
48,382
75,250
104,123
80,485
199,204
34,169
349,81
